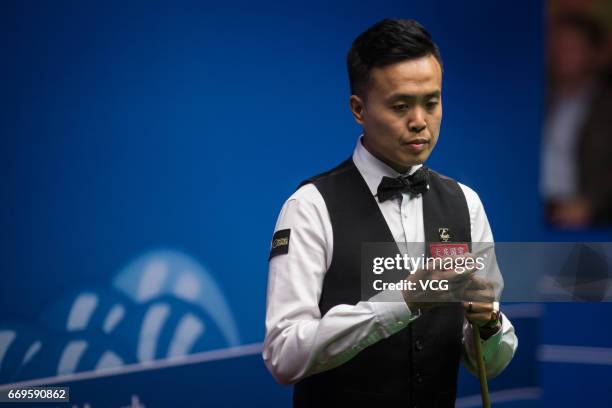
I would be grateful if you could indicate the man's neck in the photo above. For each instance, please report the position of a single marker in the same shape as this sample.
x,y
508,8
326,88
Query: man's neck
x,y
575,88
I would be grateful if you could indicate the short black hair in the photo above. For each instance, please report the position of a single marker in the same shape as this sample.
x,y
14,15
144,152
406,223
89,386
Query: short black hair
x,y
387,42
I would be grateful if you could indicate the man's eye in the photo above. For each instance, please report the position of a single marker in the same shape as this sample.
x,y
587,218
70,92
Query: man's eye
x,y
400,108
431,105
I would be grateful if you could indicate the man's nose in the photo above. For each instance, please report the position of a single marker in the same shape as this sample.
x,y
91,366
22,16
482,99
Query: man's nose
x,y
417,121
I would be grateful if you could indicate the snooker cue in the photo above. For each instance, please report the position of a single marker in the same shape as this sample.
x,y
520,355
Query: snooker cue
x,y
482,373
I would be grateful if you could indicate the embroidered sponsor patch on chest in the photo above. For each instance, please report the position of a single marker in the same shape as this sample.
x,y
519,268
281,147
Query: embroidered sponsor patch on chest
x,y
280,243
442,249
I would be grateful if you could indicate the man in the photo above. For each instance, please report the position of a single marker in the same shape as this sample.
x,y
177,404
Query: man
x,y
576,167
338,349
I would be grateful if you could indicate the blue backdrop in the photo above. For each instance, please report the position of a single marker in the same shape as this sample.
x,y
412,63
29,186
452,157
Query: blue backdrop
x,y
156,142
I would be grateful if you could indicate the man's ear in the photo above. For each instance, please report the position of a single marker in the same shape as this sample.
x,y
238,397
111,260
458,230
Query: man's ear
x,y
357,108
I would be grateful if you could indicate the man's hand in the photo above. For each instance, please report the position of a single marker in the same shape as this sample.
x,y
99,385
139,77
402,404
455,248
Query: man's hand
x,y
480,306
479,298
421,298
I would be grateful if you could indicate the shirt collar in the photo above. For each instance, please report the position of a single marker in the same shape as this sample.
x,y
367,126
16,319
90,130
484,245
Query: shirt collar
x,y
373,170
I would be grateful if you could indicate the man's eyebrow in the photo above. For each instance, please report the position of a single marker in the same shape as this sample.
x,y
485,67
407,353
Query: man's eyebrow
x,y
404,96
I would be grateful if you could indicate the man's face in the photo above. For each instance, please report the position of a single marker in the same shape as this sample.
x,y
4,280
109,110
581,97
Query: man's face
x,y
401,111
571,57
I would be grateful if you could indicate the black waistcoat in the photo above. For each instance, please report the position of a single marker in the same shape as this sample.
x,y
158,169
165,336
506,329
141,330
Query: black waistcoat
x,y
417,366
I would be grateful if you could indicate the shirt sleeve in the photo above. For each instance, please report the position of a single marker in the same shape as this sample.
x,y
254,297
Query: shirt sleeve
x,y
299,341
499,349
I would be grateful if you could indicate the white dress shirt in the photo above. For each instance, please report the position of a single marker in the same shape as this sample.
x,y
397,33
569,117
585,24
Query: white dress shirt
x,y
562,131
299,341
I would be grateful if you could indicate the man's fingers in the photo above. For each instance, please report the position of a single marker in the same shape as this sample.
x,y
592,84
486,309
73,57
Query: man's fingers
x,y
479,290
452,275
478,318
485,296
478,307
478,282
478,312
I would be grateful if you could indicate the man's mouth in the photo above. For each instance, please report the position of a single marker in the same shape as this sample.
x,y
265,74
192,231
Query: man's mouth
x,y
417,145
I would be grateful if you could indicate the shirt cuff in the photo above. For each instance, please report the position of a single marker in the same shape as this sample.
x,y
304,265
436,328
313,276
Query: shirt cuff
x,y
491,345
392,312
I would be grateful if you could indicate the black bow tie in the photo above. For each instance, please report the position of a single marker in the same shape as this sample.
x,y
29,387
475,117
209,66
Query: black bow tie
x,y
414,184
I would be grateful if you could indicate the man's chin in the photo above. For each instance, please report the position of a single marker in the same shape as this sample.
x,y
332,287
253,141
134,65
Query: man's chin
x,y
414,160
405,165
